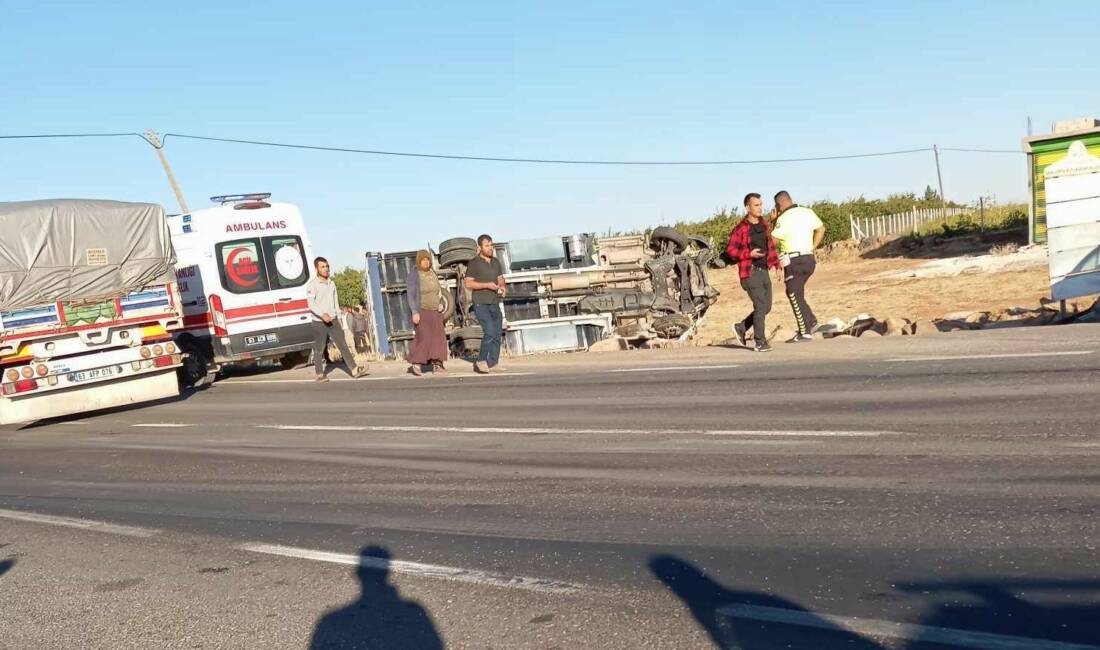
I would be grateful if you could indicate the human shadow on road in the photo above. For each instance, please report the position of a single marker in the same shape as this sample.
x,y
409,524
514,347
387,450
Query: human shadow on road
x,y
1018,611
733,618
1050,610
380,618
5,566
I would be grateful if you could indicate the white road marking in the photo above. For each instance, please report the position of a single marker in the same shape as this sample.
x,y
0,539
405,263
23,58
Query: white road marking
x,y
163,425
1017,355
230,382
876,628
85,524
657,368
524,430
811,434
416,568
427,377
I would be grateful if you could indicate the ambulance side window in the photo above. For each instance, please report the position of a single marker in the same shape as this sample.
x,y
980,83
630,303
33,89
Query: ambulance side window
x,y
286,261
241,266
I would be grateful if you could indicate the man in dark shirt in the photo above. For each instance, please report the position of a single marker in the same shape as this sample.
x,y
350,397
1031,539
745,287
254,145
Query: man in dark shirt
x,y
485,277
752,247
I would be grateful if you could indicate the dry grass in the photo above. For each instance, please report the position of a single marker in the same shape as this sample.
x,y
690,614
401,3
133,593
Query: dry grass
x,y
844,289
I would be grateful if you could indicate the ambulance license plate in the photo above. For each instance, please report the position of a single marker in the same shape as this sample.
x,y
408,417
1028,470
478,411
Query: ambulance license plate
x,y
261,339
95,373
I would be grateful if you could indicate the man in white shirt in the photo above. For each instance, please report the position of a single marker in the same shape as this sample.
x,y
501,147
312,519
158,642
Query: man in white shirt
x,y
324,306
797,232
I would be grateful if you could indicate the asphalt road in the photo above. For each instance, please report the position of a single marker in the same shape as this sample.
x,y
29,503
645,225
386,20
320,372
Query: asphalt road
x,y
913,492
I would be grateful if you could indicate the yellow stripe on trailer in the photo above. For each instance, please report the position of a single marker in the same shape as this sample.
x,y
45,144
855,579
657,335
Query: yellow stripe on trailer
x,y
155,331
24,351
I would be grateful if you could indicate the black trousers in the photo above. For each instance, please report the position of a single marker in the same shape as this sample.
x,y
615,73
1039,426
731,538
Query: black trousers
x,y
759,287
795,277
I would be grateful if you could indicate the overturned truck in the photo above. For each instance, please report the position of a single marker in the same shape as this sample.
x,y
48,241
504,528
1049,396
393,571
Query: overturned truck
x,y
564,292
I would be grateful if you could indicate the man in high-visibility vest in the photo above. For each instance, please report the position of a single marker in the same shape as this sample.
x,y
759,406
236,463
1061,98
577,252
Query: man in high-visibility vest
x,y
797,232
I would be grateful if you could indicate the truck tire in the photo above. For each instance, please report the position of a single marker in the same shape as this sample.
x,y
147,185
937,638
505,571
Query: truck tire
x,y
195,371
671,326
664,233
701,242
466,341
458,243
456,256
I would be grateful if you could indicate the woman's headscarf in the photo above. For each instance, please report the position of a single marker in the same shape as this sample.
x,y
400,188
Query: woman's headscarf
x,y
423,255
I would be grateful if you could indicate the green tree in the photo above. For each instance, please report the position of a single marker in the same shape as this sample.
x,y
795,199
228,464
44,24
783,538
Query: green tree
x,y
349,287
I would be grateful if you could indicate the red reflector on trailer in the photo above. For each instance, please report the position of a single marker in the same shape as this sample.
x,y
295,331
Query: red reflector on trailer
x,y
161,362
21,386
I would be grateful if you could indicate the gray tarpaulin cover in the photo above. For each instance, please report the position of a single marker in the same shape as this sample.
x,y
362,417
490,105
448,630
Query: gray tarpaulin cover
x,y
75,250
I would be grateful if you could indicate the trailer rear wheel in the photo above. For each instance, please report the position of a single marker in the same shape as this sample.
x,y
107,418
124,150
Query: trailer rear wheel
x,y
195,371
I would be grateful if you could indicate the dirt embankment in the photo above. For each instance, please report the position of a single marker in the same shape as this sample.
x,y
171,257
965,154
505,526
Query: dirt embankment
x,y
922,281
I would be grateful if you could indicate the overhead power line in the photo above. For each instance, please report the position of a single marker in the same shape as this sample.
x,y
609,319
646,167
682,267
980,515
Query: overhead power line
x,y
550,161
544,161
973,150
76,135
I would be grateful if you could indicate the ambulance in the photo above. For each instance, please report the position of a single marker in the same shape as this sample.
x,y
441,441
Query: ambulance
x,y
241,269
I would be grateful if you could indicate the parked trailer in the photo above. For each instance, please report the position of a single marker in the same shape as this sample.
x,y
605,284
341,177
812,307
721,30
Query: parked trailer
x,y
88,307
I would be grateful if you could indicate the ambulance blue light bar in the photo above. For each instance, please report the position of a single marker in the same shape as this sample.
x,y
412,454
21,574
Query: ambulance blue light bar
x,y
234,198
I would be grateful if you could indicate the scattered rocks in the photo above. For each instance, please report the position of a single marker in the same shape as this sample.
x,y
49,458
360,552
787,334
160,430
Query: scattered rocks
x,y
863,324
923,328
870,334
612,344
958,315
832,326
895,326
1007,248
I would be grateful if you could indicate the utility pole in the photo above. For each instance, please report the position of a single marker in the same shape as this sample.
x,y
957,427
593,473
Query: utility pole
x,y
939,177
153,140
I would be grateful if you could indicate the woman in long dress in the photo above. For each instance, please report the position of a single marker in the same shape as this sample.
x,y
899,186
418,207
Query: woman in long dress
x,y
429,346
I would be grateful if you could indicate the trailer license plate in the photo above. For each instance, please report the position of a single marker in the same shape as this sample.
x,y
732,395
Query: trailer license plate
x,y
261,339
95,373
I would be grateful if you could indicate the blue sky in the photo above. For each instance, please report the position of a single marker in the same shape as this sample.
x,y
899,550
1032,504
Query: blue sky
x,y
629,80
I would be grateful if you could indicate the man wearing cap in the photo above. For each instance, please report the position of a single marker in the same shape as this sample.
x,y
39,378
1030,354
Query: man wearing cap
x,y
797,232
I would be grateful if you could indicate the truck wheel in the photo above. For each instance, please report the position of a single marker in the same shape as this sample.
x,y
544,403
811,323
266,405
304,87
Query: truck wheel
x,y
456,256
193,372
458,243
664,233
672,326
466,341
700,242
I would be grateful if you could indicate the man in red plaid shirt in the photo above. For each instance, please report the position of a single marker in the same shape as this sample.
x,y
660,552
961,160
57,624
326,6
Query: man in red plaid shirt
x,y
752,247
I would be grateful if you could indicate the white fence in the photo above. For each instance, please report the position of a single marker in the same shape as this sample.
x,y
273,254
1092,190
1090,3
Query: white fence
x,y
903,222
